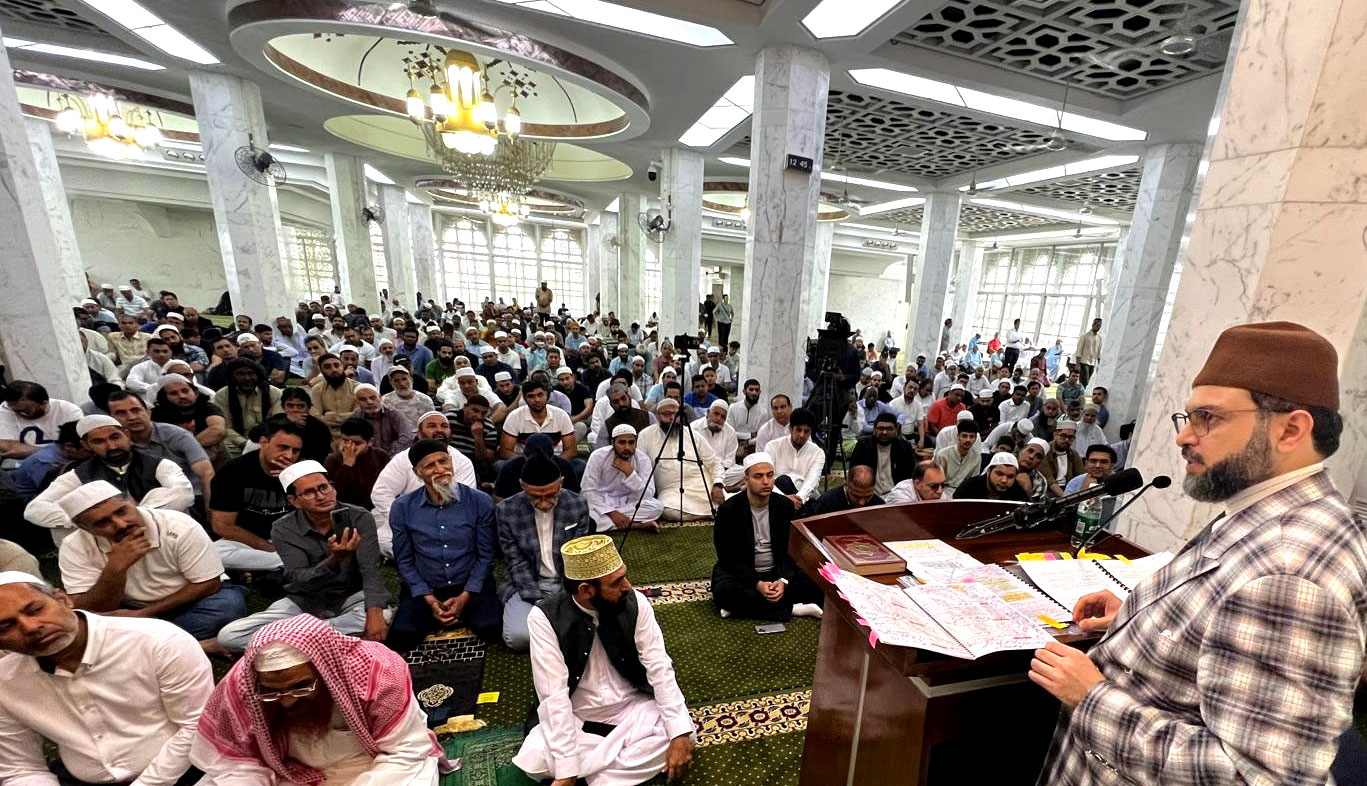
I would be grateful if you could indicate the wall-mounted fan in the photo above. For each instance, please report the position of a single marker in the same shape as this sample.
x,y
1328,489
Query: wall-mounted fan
x,y
612,241
260,165
372,213
654,224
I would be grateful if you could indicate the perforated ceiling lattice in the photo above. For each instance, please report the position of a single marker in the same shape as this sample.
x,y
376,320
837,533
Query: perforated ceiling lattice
x,y
872,134
1115,190
974,219
46,12
1052,39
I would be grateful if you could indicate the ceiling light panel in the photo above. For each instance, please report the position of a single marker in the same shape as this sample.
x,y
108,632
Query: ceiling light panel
x,y
152,29
1048,212
1066,170
886,207
841,18
945,93
632,20
288,148
834,177
21,45
376,176
733,108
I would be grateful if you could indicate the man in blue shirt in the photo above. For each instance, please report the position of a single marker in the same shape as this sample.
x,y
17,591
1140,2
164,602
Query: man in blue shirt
x,y
444,545
700,397
409,348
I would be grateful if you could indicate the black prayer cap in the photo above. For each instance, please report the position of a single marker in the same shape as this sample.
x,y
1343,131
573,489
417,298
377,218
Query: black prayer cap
x,y
424,448
540,469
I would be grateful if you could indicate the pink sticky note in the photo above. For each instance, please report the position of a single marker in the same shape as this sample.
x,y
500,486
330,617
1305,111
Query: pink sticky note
x,y
873,639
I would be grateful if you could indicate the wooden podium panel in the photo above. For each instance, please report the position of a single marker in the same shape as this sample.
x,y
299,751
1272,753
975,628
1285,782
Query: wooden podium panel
x,y
886,714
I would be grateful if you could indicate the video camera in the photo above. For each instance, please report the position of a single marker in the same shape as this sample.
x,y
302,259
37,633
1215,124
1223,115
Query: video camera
x,y
831,341
686,343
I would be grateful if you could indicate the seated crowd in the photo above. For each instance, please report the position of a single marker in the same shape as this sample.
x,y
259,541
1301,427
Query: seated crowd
x,y
302,456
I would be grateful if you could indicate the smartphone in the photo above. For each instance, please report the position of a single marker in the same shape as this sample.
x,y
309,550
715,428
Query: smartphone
x,y
772,627
340,523
652,592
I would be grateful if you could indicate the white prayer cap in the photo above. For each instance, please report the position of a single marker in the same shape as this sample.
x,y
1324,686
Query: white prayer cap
x,y
670,371
298,470
964,415
865,372
996,364
623,429
87,496
1065,424
502,375
106,286
714,350
671,403
175,315
278,656
89,423
429,413
167,379
318,318
719,404
385,340
20,577
364,386
623,346
1025,426
564,370
466,371
517,330
985,393
1002,458
488,351
877,375
500,334
1039,443
247,338
1090,406
638,359
173,328
759,457
90,302
957,386
122,287
951,362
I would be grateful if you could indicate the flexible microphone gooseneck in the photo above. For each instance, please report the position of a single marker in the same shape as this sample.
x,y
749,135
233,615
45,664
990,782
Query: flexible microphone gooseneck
x,y
1160,482
1034,514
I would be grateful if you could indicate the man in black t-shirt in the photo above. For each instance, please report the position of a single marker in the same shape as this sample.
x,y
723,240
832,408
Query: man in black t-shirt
x,y
481,448
247,498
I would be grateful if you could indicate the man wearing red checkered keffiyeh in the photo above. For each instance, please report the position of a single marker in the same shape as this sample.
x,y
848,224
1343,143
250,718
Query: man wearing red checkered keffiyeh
x,y
307,705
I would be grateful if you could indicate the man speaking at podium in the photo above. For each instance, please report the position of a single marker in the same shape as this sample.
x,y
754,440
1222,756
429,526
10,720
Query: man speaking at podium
x,y
1237,662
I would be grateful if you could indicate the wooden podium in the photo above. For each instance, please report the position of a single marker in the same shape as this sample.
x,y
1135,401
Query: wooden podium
x,y
899,715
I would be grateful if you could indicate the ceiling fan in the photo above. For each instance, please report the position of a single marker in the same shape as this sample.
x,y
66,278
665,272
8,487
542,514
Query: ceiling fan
x,y
1055,142
972,189
1182,41
838,169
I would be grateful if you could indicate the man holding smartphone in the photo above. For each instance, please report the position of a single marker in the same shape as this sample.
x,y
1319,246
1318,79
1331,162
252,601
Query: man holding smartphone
x,y
331,558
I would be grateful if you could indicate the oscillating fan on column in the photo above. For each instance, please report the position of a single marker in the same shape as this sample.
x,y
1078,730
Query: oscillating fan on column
x,y
260,165
372,213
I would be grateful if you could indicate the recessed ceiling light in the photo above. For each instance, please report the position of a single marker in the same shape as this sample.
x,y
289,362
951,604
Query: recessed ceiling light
x,y
152,29
945,93
834,177
896,204
632,20
732,109
1048,212
376,176
1065,170
80,54
288,148
1092,232
412,200
837,18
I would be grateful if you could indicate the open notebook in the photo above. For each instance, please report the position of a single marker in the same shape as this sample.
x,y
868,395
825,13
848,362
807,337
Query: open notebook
x,y
1068,580
963,620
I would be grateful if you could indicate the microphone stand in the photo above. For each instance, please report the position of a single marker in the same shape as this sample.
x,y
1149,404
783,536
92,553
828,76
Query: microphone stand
x,y
1094,540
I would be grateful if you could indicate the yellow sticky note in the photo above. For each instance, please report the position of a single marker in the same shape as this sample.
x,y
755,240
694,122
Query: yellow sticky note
x,y
1053,623
488,698
1123,558
1029,557
1064,555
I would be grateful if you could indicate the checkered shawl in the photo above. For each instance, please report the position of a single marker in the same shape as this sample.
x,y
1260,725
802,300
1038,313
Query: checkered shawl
x,y
369,683
1237,662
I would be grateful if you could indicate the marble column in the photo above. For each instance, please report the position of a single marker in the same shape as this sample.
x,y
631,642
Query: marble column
x,y
781,237
965,293
608,249
246,213
351,235
1277,235
814,304
398,247
681,251
926,290
630,258
39,335
593,257
1143,275
68,257
424,251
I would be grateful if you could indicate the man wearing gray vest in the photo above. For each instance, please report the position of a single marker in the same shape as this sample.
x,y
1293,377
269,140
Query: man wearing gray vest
x,y
611,710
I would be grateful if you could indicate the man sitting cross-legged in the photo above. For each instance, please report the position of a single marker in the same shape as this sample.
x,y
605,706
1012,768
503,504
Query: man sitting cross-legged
x,y
617,478
118,697
128,561
308,705
611,711
532,526
331,561
754,576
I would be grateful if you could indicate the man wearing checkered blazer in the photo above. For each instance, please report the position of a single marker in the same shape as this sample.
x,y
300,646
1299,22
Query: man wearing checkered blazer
x,y
1237,662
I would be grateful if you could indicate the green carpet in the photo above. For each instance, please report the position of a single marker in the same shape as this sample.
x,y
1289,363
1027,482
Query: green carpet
x,y
674,554
716,659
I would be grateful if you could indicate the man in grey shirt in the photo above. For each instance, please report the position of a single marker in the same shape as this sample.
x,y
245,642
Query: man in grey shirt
x,y
165,441
331,559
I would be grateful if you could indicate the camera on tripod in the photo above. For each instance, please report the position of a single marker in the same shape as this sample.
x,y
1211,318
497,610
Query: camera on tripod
x,y
831,341
686,343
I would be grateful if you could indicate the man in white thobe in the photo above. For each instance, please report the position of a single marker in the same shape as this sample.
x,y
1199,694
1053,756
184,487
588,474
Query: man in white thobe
x,y
798,461
616,479
596,719
683,487
713,429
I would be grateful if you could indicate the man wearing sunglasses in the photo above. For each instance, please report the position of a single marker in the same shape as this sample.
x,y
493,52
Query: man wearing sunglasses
x,y
332,562
1237,662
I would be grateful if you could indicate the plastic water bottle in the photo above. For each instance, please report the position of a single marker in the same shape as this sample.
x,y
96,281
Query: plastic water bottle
x,y
1088,521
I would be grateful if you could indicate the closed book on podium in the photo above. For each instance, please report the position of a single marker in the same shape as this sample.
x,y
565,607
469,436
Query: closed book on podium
x,y
864,555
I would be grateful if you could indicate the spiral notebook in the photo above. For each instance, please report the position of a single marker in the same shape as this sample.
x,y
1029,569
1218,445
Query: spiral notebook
x,y
1068,580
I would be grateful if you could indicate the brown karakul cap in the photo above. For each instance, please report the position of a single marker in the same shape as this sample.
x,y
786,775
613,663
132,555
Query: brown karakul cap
x,y
1259,357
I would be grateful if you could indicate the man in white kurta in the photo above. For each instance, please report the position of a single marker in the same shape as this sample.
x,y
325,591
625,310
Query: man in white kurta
x,y
698,481
721,437
798,461
632,736
617,478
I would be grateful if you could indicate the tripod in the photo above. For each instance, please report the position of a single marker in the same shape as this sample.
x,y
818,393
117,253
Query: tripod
x,y
683,459
829,405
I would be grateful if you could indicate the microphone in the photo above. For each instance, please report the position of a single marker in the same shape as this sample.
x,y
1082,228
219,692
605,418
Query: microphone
x,y
1030,516
1160,482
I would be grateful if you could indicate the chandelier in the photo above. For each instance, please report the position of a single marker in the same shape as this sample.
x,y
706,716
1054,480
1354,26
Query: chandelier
x,y
107,132
461,109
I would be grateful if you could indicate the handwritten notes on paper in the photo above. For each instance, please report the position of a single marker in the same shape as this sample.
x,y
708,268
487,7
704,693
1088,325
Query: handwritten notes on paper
x,y
1066,581
933,561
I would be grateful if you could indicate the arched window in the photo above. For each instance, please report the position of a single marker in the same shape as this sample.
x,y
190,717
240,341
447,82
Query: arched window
x,y
381,266
464,248
562,267
309,260
652,286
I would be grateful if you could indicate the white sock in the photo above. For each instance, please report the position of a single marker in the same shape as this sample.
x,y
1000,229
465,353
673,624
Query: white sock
x,y
725,614
806,610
